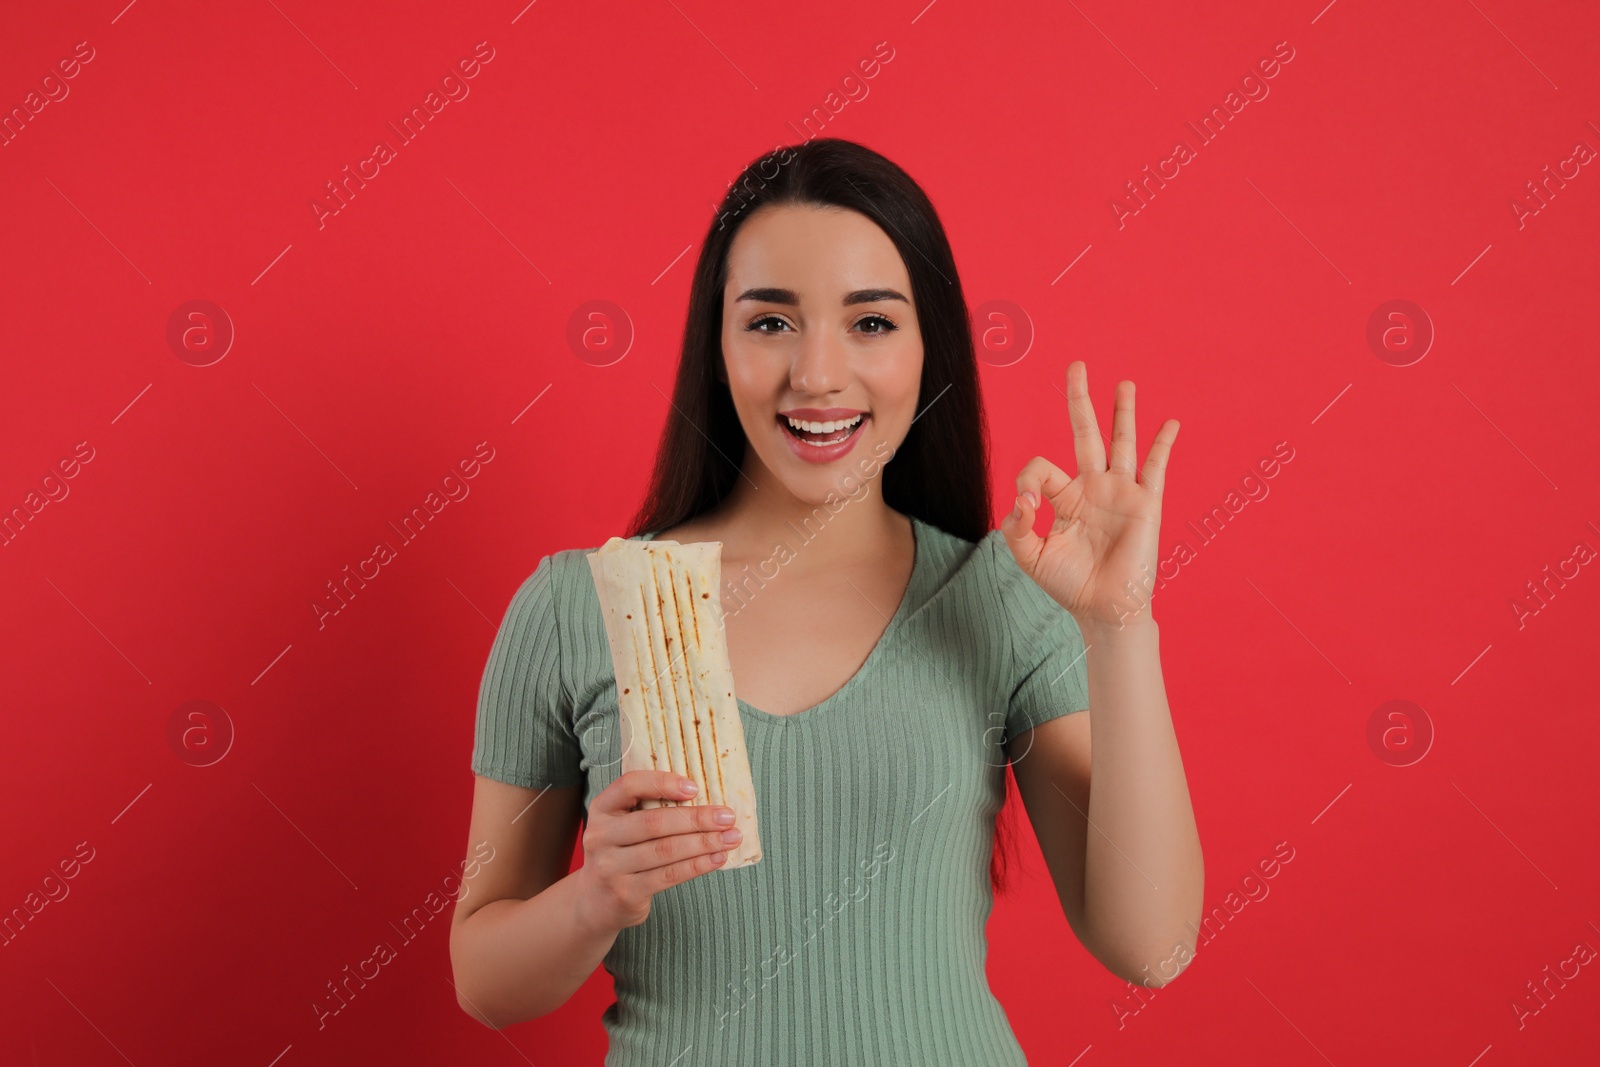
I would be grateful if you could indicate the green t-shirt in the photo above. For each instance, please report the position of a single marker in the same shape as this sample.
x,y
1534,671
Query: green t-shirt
x,y
859,937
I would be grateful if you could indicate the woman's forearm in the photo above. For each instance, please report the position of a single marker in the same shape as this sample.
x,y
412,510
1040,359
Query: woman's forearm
x,y
1144,877
516,960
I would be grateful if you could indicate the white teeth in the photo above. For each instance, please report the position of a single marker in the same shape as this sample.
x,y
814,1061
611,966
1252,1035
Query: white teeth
x,y
823,427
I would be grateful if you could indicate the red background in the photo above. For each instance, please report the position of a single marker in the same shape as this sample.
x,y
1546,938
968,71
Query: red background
x,y
374,352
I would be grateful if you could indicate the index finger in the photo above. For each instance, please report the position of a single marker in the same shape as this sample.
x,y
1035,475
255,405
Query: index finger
x,y
625,793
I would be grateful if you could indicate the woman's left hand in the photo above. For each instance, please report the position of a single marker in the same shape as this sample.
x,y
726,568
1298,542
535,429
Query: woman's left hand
x,y
1098,559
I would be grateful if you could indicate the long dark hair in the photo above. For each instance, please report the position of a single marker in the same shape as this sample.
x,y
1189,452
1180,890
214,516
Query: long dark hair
x,y
940,472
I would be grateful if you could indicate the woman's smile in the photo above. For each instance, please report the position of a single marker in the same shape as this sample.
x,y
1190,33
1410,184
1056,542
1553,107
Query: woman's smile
x,y
821,435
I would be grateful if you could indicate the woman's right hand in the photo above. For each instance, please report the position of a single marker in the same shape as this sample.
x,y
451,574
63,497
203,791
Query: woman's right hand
x,y
632,853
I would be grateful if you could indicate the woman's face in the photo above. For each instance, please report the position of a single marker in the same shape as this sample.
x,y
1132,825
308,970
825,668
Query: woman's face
x,y
819,327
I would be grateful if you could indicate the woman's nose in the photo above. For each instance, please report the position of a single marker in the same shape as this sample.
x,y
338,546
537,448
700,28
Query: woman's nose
x,y
819,366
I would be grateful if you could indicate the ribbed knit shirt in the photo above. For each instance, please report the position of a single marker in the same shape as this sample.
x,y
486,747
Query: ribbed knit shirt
x,y
859,938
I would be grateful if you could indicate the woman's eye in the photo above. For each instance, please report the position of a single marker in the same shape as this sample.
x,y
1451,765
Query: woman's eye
x,y
773,324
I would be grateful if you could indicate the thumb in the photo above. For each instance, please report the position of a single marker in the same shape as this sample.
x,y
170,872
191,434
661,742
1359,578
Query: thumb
x,y
1017,529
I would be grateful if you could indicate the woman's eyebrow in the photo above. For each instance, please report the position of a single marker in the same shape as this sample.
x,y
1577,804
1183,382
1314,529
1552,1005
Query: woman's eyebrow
x,y
790,298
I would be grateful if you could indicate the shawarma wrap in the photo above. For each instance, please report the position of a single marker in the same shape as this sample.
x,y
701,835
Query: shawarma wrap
x,y
678,713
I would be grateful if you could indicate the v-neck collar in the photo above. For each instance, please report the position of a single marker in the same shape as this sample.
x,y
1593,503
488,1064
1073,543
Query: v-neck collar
x,y
919,537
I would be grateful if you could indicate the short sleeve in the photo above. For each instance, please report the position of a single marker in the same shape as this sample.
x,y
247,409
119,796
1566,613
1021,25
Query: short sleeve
x,y
524,732
1049,670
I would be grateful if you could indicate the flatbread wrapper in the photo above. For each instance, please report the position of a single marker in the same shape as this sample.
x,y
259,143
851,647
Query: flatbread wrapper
x,y
660,601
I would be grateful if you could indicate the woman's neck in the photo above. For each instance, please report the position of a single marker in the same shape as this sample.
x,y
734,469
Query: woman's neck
x,y
844,527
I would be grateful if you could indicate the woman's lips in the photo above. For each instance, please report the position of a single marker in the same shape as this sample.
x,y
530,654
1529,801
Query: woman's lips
x,y
821,453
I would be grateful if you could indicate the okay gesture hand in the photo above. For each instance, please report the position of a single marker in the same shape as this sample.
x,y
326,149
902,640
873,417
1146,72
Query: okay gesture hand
x,y
1098,559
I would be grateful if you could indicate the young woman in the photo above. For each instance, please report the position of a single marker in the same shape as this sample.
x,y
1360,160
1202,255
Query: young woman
x,y
892,653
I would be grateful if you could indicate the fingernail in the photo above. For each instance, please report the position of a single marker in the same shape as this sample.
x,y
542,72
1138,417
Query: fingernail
x,y
1016,512
732,836
689,787
718,857
1033,498
723,818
